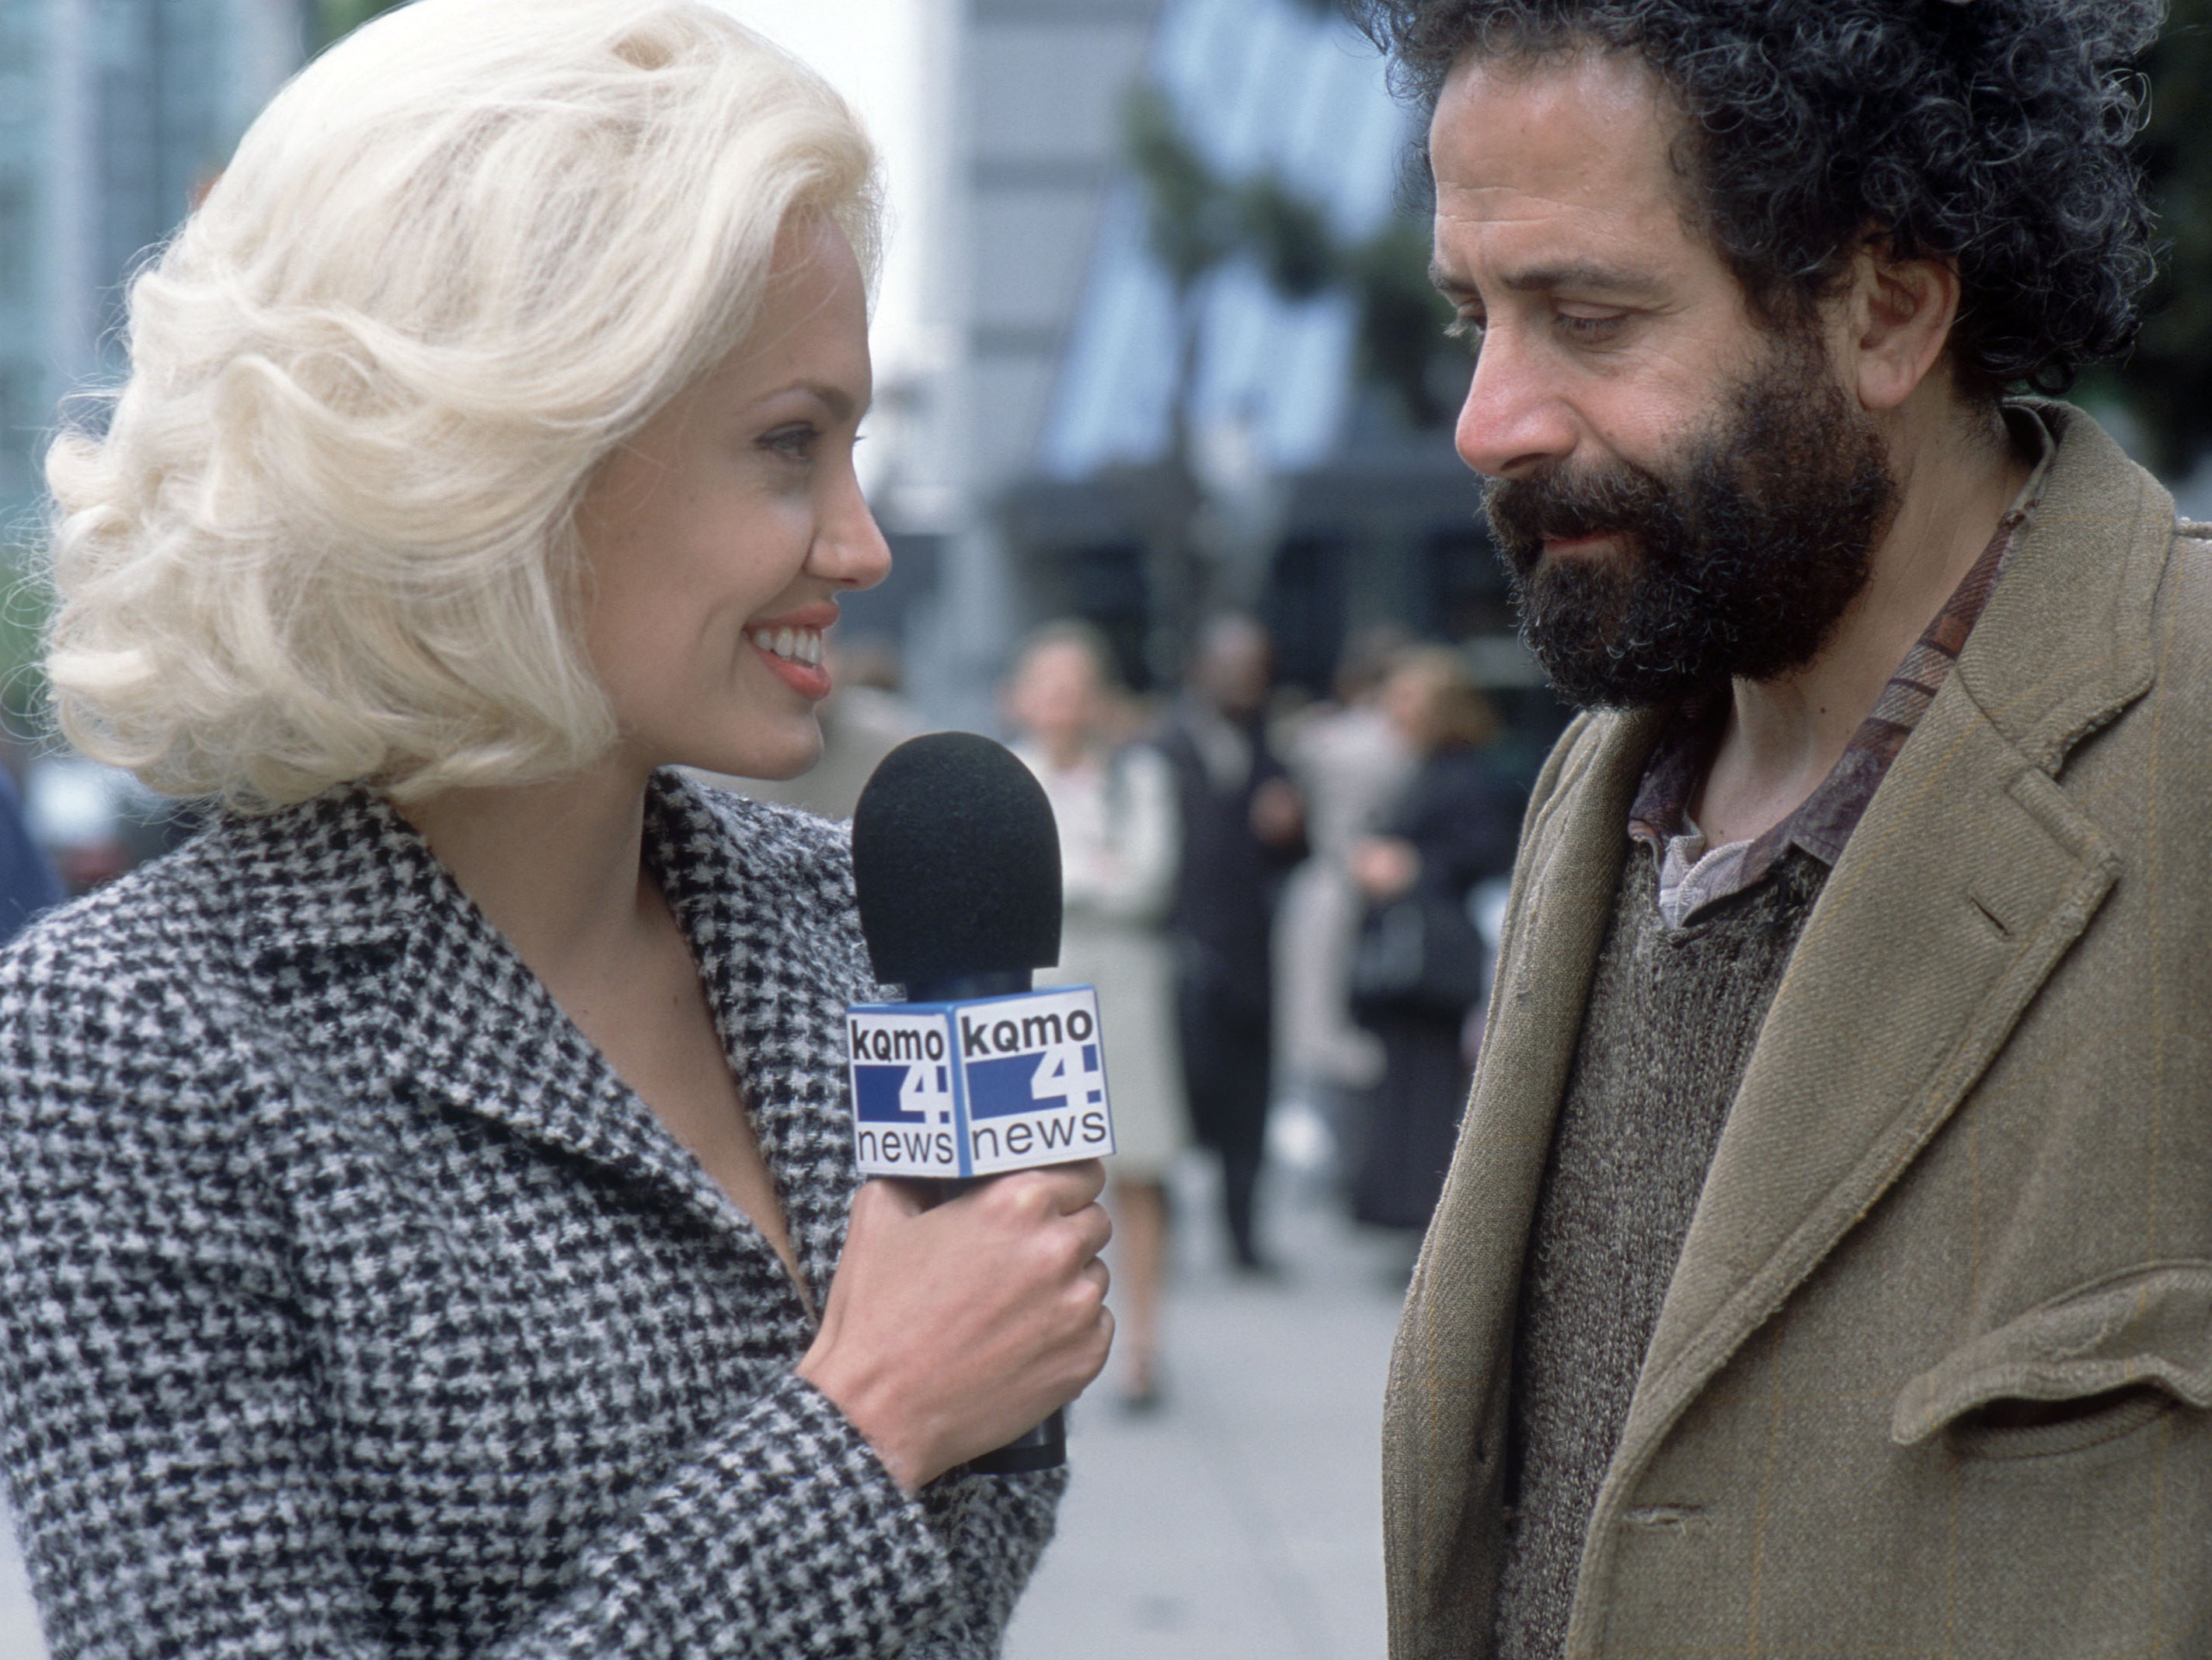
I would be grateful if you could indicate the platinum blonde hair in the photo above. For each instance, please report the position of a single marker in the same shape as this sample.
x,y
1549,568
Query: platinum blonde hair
x,y
328,532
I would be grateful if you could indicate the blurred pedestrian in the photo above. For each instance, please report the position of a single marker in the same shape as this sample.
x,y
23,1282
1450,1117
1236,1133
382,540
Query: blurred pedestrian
x,y
1243,828
1118,847
1419,966
1350,765
428,1218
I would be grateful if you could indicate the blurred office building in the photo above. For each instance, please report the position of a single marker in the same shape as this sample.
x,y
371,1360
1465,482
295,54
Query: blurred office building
x,y
1193,361
114,115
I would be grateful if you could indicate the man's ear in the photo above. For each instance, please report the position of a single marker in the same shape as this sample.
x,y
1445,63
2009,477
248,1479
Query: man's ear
x,y
1896,319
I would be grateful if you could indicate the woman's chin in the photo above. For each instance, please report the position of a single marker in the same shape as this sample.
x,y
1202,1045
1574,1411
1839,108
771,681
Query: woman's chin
x,y
757,760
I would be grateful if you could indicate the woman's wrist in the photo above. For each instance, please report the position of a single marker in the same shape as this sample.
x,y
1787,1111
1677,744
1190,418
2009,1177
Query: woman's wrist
x,y
870,1403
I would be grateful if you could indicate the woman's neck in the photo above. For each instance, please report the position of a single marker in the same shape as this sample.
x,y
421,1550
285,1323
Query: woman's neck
x,y
556,867
1066,751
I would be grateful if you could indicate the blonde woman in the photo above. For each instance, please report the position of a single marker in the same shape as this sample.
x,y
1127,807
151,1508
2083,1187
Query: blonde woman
x,y
424,1208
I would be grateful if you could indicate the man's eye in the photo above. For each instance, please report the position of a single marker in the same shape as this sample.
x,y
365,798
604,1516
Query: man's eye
x,y
1589,331
1468,328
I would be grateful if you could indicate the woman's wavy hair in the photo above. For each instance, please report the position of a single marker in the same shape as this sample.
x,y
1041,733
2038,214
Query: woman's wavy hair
x,y
1990,133
326,533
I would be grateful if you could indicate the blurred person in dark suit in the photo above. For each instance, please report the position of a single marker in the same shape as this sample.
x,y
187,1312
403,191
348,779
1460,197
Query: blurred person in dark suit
x,y
1243,828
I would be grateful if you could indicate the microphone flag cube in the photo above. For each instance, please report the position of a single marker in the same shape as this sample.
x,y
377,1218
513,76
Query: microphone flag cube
x,y
979,1086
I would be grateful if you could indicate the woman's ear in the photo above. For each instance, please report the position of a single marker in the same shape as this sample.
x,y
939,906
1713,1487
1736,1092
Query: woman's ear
x,y
1896,316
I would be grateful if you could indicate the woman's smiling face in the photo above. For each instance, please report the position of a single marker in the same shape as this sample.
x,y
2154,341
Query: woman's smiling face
x,y
717,541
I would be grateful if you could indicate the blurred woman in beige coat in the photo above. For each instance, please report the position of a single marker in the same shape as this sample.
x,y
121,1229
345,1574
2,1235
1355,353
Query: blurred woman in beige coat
x,y
1115,805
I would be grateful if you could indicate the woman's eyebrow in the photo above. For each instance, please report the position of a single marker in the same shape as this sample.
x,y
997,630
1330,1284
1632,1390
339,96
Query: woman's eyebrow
x,y
840,403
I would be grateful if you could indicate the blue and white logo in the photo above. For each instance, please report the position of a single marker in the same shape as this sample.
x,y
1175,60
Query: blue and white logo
x,y
974,1088
904,1101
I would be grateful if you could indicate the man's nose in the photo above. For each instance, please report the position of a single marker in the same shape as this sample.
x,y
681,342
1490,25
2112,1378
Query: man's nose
x,y
1514,419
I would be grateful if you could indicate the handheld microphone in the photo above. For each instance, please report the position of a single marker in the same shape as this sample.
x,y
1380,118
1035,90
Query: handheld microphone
x,y
956,863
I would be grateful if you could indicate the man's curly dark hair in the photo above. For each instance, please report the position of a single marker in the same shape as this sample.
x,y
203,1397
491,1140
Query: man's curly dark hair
x,y
1992,133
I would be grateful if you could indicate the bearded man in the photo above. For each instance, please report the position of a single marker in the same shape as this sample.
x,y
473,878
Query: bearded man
x,y
1825,1266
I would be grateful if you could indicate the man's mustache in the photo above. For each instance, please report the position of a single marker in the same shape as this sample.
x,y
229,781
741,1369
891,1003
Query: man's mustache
x,y
1564,505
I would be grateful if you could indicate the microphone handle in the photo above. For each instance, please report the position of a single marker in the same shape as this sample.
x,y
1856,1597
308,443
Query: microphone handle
x,y
1044,1447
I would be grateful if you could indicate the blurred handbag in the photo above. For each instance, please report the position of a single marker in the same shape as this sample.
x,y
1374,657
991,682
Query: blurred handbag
x,y
1418,954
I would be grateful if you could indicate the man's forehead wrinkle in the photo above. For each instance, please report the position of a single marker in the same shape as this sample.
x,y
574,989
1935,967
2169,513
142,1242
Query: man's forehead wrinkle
x,y
1589,129
1523,240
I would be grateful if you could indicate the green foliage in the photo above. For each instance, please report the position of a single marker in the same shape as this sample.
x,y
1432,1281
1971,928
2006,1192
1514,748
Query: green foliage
x,y
1402,319
1289,235
1193,227
2168,378
334,18
1200,220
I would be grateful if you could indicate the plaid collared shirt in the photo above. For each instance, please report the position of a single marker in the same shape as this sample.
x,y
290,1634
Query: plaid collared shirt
x,y
1693,875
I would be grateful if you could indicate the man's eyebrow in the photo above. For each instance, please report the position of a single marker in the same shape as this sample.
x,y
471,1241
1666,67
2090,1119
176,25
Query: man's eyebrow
x,y
1583,276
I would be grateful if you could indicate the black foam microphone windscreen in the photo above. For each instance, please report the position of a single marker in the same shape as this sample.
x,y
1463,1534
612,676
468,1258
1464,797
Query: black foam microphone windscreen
x,y
956,859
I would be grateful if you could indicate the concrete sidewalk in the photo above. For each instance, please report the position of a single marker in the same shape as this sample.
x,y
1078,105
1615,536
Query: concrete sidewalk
x,y
1244,1518
18,1620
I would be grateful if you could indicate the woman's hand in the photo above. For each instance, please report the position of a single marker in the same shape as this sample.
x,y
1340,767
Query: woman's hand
x,y
952,1329
1384,867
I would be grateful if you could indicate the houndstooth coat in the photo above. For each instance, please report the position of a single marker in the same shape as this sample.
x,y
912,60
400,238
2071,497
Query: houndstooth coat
x,y
351,1306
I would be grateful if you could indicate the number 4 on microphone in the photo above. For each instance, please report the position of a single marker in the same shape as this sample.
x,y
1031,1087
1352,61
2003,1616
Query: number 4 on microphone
x,y
1068,1074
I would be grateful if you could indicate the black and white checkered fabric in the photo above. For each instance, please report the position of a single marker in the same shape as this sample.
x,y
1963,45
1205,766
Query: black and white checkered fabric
x,y
350,1305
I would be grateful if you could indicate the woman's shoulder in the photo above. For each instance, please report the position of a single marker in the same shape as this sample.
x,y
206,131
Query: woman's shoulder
x,y
160,963
118,1012
141,928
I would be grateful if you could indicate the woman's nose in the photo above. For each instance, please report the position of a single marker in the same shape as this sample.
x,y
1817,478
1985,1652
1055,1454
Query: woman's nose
x,y
849,546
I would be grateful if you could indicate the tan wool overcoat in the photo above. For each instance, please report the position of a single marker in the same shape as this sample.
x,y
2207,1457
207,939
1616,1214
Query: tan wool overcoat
x,y
1969,1167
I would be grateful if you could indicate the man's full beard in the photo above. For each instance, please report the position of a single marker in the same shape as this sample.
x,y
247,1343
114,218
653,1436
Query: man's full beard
x,y
1737,561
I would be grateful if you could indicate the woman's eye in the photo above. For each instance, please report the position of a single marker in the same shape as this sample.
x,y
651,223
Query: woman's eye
x,y
793,443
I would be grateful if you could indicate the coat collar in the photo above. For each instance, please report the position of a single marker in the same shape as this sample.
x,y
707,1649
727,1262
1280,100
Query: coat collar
x,y
341,900
2067,641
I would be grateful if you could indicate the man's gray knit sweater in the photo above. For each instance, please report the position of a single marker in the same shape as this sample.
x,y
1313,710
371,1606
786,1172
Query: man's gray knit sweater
x,y
1672,1017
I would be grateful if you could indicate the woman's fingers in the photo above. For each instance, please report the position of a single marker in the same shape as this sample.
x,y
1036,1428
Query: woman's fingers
x,y
953,1326
1094,1226
893,1195
1072,1185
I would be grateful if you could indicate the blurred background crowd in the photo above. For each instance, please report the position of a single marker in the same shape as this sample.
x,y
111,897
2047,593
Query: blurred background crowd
x,y
1163,447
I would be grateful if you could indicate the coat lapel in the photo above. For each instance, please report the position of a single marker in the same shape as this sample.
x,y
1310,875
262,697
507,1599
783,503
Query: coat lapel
x,y
771,923
416,992
1960,890
473,1028
1447,1368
